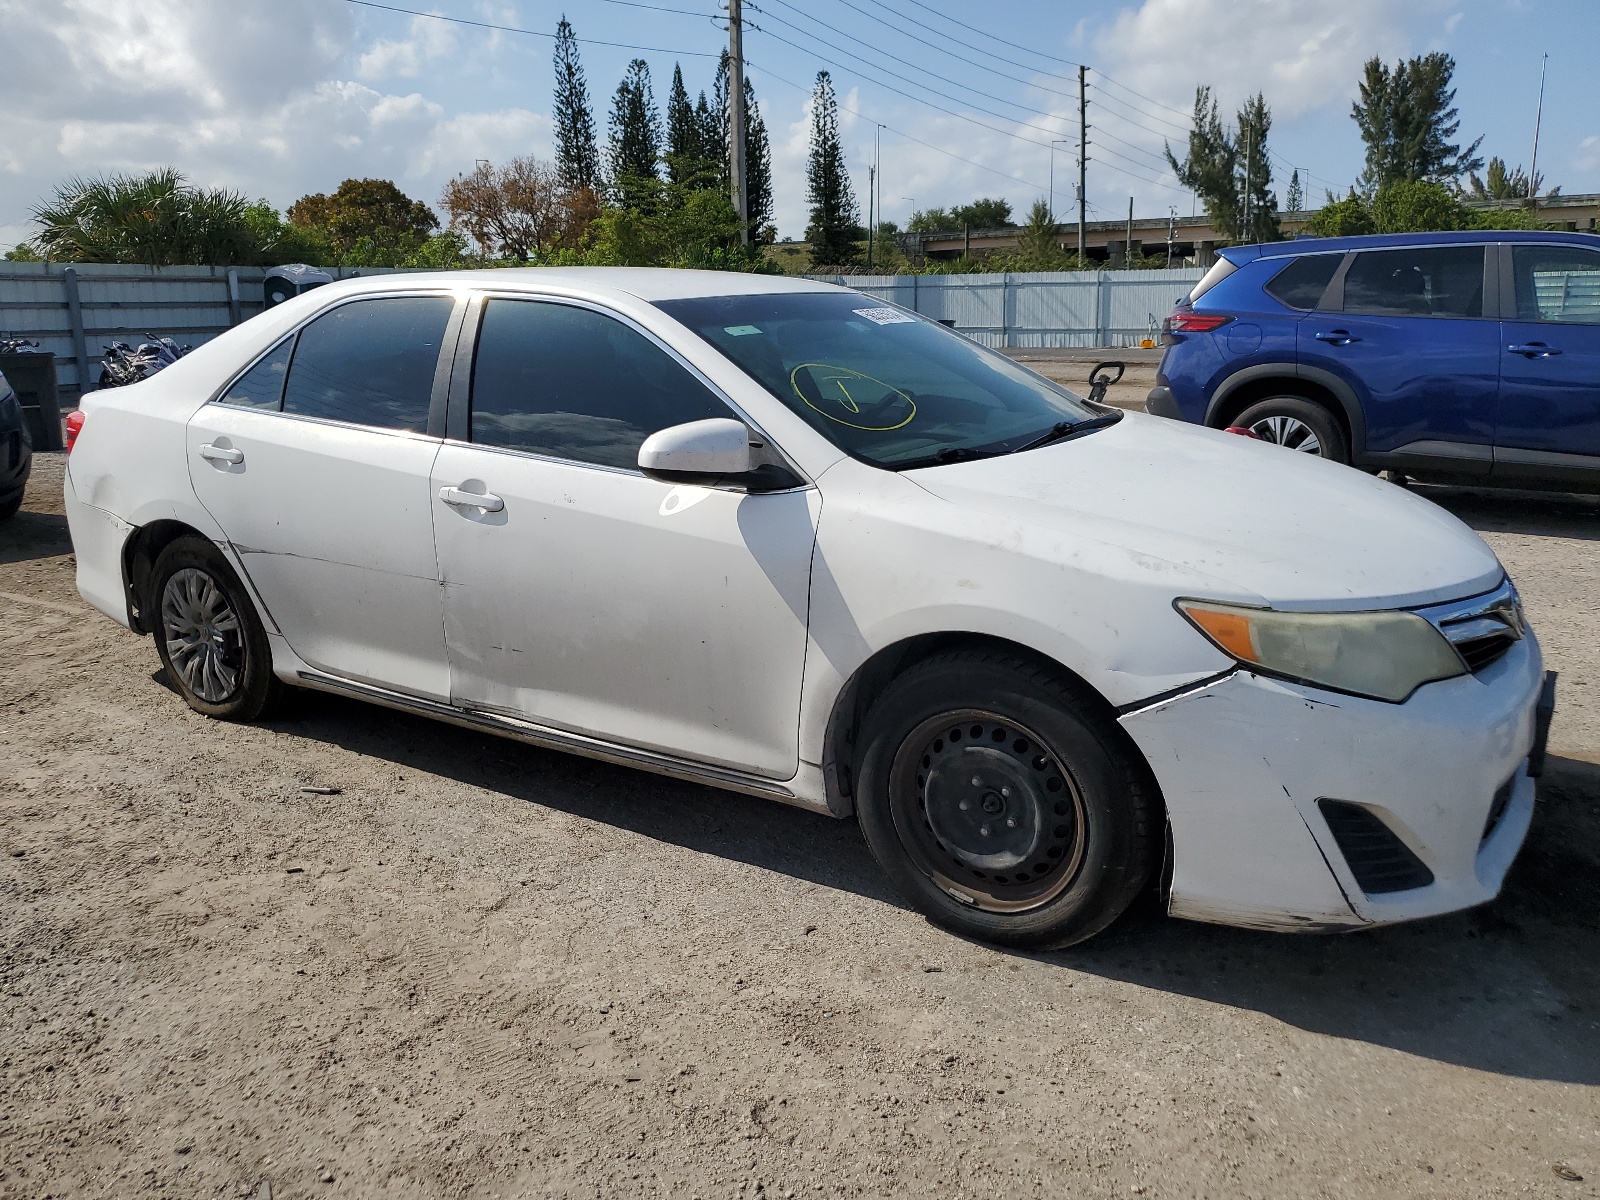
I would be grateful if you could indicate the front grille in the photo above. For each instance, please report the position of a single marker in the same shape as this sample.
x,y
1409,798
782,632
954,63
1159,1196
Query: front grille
x,y
1479,652
1497,810
1481,628
1378,859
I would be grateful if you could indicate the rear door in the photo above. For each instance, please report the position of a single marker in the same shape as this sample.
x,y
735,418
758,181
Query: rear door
x,y
1549,422
1408,332
316,465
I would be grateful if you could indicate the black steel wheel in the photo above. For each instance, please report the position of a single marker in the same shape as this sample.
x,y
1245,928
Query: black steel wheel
x,y
212,644
1003,802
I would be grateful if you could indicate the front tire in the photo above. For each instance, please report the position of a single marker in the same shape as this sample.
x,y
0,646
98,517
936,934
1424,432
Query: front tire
x,y
210,640
1003,805
1296,423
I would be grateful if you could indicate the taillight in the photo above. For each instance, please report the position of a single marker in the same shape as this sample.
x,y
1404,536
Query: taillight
x,y
1188,321
74,427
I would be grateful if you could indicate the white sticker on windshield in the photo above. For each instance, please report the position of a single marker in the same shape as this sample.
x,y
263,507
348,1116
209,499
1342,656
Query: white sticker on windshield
x,y
740,330
884,316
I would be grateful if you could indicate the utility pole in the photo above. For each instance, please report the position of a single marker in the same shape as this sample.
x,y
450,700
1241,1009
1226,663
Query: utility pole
x,y
874,185
1172,234
872,225
1533,165
741,202
1127,254
1083,158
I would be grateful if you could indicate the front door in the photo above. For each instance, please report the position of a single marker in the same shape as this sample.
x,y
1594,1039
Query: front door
x,y
316,464
1550,365
1413,343
580,594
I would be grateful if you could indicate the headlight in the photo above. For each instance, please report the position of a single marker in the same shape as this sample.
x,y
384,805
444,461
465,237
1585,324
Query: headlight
x,y
1384,655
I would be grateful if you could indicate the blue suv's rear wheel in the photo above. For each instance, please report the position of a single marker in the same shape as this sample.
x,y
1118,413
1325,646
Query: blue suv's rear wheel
x,y
1298,424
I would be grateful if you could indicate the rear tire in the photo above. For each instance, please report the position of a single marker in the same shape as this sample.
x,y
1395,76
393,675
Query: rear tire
x,y
210,640
1001,804
1296,423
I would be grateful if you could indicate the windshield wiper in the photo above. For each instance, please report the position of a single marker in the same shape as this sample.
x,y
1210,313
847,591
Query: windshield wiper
x,y
1063,429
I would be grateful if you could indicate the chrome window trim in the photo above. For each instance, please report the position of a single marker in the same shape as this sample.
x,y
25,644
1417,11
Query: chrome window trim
x,y
486,294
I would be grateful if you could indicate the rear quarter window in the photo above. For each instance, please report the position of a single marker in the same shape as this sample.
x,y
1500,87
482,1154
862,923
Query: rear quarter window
x,y
1301,283
1219,271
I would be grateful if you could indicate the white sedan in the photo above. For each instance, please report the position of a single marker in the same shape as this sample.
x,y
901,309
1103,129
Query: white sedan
x,y
778,537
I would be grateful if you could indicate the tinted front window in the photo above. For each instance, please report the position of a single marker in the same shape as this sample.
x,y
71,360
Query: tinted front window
x,y
262,385
370,362
1428,281
1557,283
1302,282
573,383
888,387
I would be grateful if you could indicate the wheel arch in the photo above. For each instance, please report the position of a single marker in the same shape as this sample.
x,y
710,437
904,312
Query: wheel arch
x,y
867,682
1243,388
139,554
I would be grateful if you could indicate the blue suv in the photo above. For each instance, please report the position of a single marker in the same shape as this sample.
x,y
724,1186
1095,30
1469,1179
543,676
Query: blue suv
x,y
1452,357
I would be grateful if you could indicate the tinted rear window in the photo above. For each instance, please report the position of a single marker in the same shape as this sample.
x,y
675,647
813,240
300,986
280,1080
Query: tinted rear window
x,y
1302,282
1425,281
370,362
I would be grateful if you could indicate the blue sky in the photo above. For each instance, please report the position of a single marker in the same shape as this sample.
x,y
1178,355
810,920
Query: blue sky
x,y
280,97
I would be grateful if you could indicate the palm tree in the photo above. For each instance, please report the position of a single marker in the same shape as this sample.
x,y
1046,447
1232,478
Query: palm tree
x,y
157,219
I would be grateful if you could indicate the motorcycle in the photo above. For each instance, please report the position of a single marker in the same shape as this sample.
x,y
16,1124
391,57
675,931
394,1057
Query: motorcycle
x,y
122,364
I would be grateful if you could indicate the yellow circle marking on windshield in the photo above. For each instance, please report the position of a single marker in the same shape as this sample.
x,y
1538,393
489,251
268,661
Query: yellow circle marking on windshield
x,y
836,384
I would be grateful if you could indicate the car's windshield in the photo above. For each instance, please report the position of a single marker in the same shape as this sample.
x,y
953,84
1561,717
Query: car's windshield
x,y
886,386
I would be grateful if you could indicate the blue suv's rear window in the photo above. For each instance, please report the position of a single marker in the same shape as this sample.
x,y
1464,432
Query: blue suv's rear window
x,y
1421,281
1302,282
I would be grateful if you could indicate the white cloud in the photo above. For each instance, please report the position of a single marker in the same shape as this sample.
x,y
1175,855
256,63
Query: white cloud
x,y
1587,155
274,98
406,57
1301,55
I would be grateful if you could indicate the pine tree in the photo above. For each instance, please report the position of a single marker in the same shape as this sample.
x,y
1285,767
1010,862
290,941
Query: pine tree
x,y
685,155
1407,117
1295,199
834,219
721,116
757,165
577,157
1259,220
635,138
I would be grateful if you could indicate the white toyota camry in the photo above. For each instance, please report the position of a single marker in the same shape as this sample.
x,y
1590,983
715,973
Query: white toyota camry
x,y
778,537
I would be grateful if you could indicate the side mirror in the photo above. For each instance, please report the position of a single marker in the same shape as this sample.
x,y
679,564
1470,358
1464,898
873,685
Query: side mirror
x,y
698,452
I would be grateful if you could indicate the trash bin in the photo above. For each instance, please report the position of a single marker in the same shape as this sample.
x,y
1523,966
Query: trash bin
x,y
32,375
280,283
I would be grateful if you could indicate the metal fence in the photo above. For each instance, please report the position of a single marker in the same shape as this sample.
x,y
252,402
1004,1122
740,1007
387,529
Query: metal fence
x,y
1058,309
75,311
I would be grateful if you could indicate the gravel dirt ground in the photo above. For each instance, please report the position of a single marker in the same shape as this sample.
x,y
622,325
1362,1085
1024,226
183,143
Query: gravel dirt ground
x,y
479,969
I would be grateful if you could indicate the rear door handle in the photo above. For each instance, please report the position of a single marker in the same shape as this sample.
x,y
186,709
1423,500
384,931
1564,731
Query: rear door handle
x,y
1336,337
461,499
222,454
1534,350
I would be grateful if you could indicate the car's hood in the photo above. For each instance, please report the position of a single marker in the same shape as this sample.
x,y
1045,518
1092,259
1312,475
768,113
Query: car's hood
x,y
1242,519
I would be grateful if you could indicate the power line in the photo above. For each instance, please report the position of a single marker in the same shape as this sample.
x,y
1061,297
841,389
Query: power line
x,y
411,12
899,133
982,33
1134,174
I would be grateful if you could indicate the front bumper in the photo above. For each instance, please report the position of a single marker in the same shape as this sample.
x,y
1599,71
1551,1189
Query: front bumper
x,y
1244,760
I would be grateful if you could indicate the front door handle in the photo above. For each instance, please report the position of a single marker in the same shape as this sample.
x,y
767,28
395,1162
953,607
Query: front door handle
x,y
461,499
1534,350
1336,337
222,454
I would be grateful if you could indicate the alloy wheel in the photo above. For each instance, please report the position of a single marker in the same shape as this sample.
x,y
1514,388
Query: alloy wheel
x,y
202,635
1289,432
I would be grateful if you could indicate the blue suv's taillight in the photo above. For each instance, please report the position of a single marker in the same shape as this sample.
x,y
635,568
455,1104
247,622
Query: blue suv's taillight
x,y
1186,320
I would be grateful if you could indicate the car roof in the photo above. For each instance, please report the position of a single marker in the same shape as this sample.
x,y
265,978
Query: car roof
x,y
1307,244
643,283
